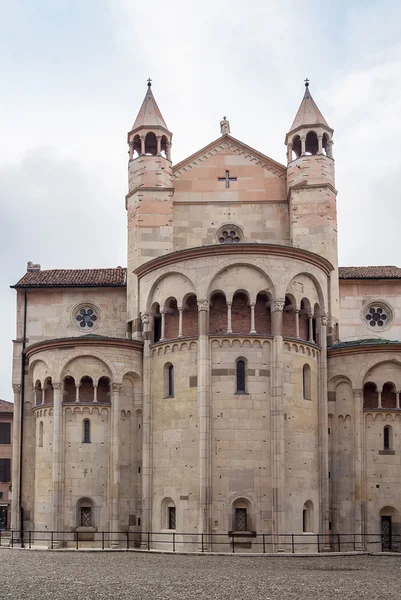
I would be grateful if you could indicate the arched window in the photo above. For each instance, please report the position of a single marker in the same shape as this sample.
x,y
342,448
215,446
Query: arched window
x,y
387,438
103,389
296,147
49,392
370,395
169,514
86,389
389,395
157,323
86,437
151,144
38,393
306,382
307,517
85,516
241,377
311,143
41,434
69,390
241,515
168,380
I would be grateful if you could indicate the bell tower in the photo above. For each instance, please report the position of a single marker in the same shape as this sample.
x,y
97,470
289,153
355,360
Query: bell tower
x,y
311,190
149,201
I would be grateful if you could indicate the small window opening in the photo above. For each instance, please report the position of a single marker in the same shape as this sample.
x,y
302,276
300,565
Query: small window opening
x,y
306,382
241,519
171,381
41,434
387,438
87,432
171,517
86,516
241,378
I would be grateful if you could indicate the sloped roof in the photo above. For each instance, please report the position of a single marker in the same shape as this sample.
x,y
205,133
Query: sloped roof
x,y
379,272
149,114
6,407
308,113
74,278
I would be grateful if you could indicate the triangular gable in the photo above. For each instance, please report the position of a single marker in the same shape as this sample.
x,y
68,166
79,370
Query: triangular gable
x,y
228,142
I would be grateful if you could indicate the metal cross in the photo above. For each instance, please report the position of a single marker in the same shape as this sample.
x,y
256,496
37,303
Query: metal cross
x,y
149,82
227,179
306,82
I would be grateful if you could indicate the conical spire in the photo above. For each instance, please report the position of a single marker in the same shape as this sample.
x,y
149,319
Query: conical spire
x,y
149,114
308,113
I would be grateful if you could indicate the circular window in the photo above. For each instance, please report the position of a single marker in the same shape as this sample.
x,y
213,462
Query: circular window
x,y
86,317
229,235
377,316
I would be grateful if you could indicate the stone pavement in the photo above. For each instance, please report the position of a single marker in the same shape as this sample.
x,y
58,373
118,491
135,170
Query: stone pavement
x,y
29,575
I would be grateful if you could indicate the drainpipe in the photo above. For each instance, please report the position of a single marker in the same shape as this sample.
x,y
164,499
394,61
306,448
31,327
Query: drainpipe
x,y
22,419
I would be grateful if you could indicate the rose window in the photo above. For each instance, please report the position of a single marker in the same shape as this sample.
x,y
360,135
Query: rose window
x,y
86,317
376,316
229,236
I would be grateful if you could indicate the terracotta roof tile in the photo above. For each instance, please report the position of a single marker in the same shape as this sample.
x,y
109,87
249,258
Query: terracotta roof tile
x,y
385,272
6,407
74,278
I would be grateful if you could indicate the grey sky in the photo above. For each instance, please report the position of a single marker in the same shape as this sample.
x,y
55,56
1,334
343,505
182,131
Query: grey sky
x,y
73,76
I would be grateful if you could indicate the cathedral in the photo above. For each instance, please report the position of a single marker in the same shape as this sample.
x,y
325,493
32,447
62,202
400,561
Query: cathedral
x,y
232,380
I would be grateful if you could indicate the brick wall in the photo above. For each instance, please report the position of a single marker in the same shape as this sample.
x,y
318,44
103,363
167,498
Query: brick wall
x,y
190,317
370,396
262,316
289,323
218,315
389,397
240,314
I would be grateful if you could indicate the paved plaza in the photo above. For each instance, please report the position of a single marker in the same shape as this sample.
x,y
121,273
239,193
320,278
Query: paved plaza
x,y
29,575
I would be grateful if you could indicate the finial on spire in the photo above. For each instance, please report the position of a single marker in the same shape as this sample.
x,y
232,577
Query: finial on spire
x,y
306,82
224,126
149,82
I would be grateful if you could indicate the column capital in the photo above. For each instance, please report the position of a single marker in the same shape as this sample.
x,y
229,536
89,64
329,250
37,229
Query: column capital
x,y
357,392
229,302
252,303
144,318
116,387
57,386
324,319
17,388
180,308
203,305
278,305
142,137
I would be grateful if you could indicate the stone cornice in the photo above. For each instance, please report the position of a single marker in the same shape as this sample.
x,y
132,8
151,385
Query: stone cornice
x,y
142,188
79,342
364,349
233,250
310,186
228,142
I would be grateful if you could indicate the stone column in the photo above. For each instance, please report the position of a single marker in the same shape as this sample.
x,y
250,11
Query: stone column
x,y
310,326
296,311
303,140
95,393
397,399
168,150
277,425
379,398
320,144
146,428
76,392
163,326
43,396
180,311
143,137
289,152
253,330
203,415
114,475
16,459
358,467
131,150
330,148
229,326
323,418
57,469
159,144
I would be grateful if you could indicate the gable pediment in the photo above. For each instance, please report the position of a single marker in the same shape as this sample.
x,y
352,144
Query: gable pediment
x,y
254,177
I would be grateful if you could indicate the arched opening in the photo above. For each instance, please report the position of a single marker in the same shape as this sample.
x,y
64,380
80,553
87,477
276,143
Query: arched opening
x,y
157,323
316,324
307,517
85,513
49,391
311,143
388,438
304,315
370,395
296,147
69,389
38,393
169,514
164,142
151,144
306,382
171,317
40,440
241,515
389,395
86,431
389,527
240,370
325,141
190,316
218,314
168,380
103,390
136,146
240,314
86,390
289,317
263,314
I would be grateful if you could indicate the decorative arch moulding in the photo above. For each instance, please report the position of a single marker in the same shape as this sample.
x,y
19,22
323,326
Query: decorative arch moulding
x,y
241,249
378,348
79,342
